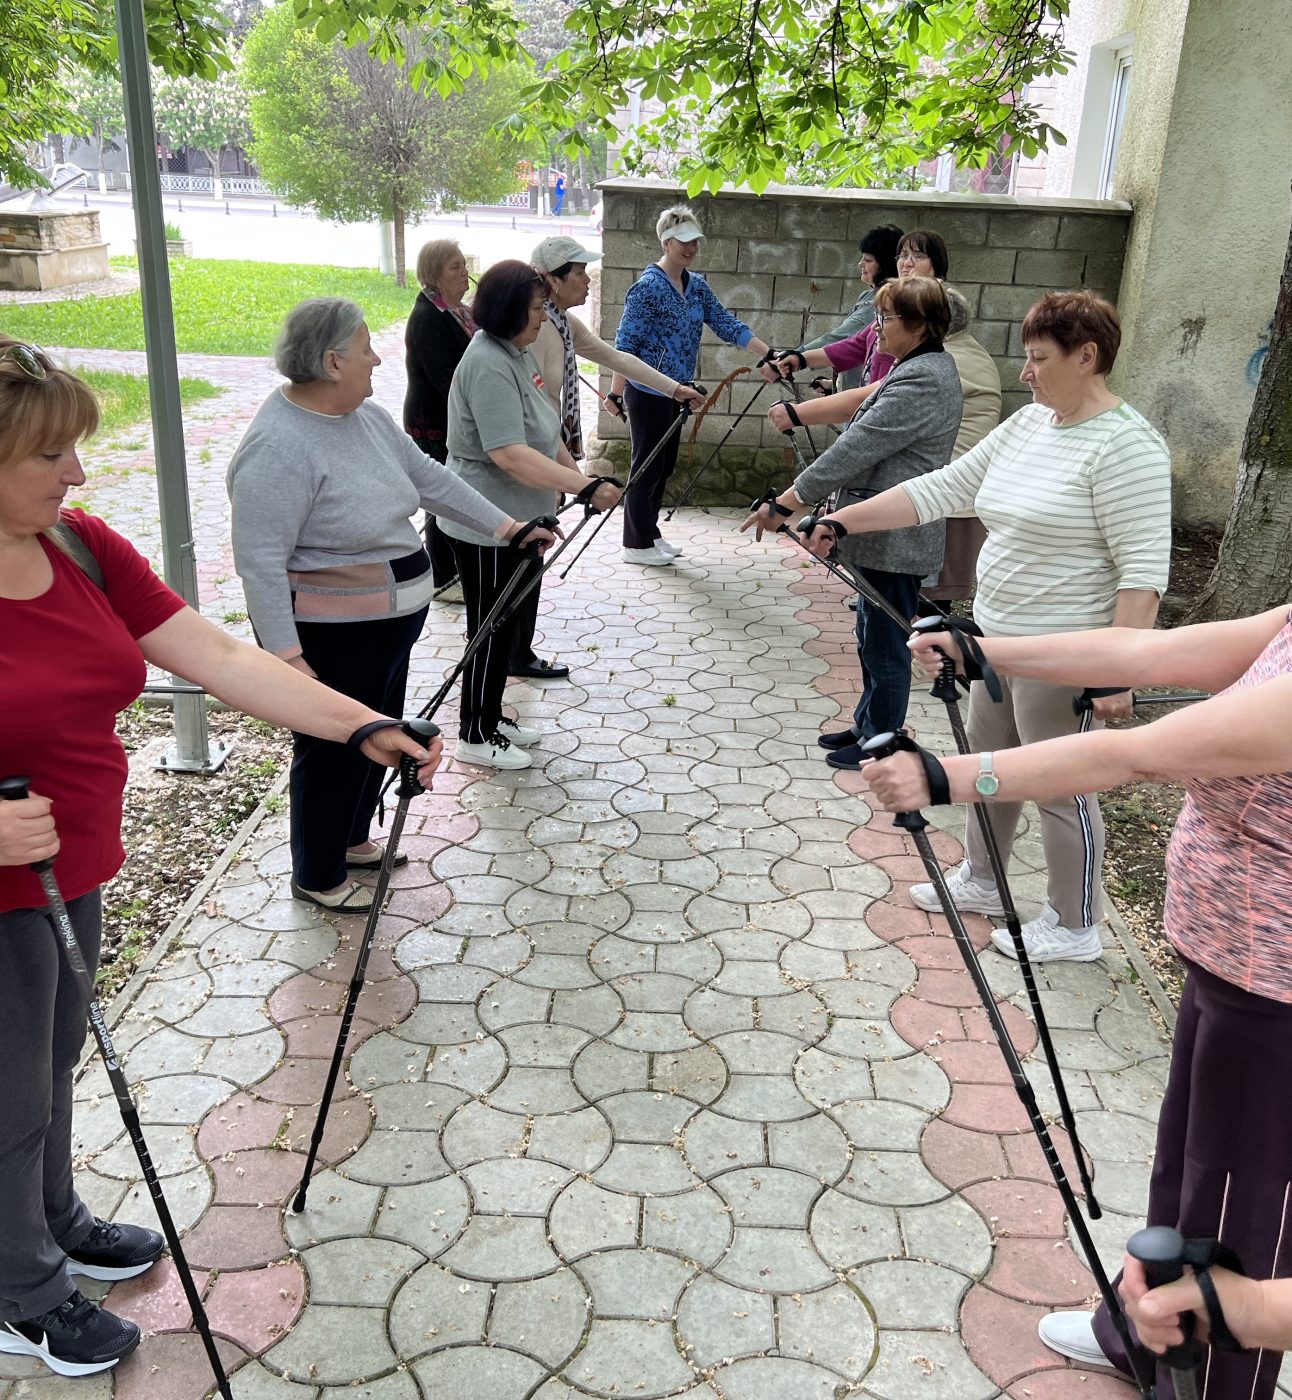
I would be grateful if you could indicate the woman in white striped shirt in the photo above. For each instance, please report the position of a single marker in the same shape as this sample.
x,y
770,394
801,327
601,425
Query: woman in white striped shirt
x,y
1075,492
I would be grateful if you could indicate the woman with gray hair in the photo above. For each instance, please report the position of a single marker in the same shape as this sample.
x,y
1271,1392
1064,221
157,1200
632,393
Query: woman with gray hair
x,y
665,313
337,581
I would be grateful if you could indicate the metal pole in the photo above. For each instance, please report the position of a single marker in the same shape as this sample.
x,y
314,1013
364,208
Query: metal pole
x,y
191,752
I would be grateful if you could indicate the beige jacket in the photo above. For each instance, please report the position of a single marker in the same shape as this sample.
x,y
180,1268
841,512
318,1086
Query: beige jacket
x,y
550,354
980,380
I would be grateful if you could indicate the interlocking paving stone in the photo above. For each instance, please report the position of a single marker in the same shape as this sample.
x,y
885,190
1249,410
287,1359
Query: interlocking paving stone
x,y
651,1031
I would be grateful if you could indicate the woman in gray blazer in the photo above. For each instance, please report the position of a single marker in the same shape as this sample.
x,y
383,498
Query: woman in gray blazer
x,y
905,428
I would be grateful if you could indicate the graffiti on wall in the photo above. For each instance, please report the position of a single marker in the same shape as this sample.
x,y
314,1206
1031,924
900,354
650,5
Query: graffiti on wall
x,y
1257,361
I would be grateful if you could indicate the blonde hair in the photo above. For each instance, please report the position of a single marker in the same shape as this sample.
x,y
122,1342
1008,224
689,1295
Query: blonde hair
x,y
432,259
38,415
674,217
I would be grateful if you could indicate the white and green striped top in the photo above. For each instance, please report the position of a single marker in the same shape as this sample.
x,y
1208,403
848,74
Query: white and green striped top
x,y
1073,515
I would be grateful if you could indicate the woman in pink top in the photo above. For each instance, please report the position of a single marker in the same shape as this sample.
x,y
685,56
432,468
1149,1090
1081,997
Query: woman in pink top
x,y
1223,1166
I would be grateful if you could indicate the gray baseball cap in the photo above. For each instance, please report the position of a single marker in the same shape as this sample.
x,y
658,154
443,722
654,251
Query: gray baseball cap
x,y
558,250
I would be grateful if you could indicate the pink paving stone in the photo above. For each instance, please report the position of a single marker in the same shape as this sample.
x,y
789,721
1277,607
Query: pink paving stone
x,y
306,995
1039,1271
316,1038
1027,1161
1069,1382
381,963
945,988
893,921
946,847
972,1061
173,1367
262,1177
907,869
957,1156
455,828
849,780
922,1024
424,904
932,952
1021,1031
975,925
239,1122
1000,1335
235,1237
348,1125
1024,1209
155,1301
871,841
256,1307
300,1082
986,1108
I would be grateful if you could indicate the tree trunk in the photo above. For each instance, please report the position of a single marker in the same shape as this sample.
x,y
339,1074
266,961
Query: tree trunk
x,y
585,185
397,218
1254,569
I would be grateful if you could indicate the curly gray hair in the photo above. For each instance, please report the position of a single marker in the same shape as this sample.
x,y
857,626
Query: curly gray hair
x,y
310,331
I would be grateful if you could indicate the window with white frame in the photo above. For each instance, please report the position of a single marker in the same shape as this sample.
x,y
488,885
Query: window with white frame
x,y
1116,120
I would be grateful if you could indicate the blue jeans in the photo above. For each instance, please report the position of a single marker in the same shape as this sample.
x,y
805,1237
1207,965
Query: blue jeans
x,y
881,648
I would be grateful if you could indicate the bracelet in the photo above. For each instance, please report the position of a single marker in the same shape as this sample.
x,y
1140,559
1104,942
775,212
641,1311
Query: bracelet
x,y
366,731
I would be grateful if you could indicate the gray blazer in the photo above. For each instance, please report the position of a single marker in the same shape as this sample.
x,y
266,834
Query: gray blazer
x,y
906,428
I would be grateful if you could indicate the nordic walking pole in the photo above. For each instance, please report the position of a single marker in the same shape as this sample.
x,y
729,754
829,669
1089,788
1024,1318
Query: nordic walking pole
x,y
798,399
423,731
691,485
14,790
916,826
1161,1250
945,689
633,478
1086,700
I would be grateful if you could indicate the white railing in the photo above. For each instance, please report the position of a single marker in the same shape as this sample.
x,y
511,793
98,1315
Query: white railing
x,y
519,200
187,184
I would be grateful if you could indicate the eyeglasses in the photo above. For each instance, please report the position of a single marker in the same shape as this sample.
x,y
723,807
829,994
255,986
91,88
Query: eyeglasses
x,y
882,318
27,358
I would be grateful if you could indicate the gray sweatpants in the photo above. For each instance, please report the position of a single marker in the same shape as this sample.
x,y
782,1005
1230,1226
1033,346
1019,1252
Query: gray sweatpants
x,y
1072,829
43,1021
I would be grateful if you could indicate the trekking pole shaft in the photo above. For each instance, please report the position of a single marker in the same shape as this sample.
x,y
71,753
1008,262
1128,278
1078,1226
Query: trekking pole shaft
x,y
914,824
14,789
409,787
945,690
686,494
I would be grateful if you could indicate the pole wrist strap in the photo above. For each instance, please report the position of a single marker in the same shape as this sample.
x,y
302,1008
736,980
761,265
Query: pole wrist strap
x,y
365,731
976,665
936,777
1200,1254
791,412
772,504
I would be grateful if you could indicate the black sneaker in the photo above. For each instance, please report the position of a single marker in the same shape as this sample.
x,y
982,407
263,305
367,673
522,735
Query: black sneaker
x,y
77,1338
839,740
113,1252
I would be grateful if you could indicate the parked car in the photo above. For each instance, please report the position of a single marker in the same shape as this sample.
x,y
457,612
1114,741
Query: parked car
x,y
598,213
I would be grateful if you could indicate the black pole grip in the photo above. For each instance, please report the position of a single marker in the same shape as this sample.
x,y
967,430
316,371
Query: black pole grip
x,y
18,789
1161,1250
521,541
421,731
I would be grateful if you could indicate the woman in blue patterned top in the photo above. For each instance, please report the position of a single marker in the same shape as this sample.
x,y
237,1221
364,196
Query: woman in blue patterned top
x,y
665,313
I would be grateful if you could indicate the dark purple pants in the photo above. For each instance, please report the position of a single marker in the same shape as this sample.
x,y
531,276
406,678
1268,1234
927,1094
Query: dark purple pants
x,y
1223,1167
650,416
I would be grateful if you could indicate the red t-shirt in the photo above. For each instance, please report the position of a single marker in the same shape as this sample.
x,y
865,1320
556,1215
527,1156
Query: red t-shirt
x,y
69,661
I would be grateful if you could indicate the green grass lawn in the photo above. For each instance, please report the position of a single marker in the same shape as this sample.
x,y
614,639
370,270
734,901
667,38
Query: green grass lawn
x,y
123,398
221,308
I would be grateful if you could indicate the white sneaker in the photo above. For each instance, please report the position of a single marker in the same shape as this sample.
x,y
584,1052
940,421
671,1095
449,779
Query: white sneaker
x,y
969,895
654,555
498,752
519,733
669,547
1046,940
1072,1334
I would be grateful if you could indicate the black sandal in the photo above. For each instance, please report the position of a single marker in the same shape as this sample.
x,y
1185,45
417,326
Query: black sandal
x,y
540,670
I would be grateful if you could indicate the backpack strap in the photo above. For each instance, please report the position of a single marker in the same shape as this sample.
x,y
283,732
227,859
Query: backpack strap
x,y
65,539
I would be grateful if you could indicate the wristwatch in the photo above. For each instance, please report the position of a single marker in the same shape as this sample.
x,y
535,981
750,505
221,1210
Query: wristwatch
x,y
986,784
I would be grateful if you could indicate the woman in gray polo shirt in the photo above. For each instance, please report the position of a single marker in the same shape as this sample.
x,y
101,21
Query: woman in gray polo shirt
x,y
504,439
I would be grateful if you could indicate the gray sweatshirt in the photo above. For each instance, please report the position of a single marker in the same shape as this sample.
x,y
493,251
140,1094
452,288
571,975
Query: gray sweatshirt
x,y
311,491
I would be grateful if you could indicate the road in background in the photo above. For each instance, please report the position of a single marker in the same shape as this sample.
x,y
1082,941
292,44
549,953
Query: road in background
x,y
259,229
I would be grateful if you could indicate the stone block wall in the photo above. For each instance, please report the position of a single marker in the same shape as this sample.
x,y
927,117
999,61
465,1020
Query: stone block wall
x,y
50,248
773,258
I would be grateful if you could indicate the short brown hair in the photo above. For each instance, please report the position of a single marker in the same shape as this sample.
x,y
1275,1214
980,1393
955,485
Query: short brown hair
x,y
919,300
503,297
38,415
433,258
924,240
1073,319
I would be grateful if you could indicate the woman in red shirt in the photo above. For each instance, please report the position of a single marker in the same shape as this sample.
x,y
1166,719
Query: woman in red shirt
x,y
72,655
1223,1165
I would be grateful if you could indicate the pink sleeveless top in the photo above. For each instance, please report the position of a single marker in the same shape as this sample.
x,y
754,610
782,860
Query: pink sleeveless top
x,y
1229,865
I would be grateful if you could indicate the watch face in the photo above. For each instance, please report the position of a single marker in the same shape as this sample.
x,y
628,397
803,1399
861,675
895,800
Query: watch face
x,y
987,784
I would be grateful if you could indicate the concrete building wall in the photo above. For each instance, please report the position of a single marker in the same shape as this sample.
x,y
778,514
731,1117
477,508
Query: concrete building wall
x,y
772,257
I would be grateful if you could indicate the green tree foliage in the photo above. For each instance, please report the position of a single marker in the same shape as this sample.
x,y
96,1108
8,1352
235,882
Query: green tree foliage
x,y
350,135
40,38
204,113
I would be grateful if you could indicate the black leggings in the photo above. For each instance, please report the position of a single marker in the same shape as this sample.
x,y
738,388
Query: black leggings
x,y
485,572
650,417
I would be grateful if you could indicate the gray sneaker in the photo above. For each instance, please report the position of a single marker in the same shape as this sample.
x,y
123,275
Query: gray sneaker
x,y
969,895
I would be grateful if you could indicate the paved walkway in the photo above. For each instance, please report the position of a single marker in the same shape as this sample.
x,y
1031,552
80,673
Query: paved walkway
x,y
660,1084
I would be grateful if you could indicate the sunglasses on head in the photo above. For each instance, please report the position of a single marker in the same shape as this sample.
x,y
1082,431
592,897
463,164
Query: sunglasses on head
x,y
28,358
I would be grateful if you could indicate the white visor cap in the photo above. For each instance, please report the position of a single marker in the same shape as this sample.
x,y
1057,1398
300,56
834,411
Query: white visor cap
x,y
684,233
